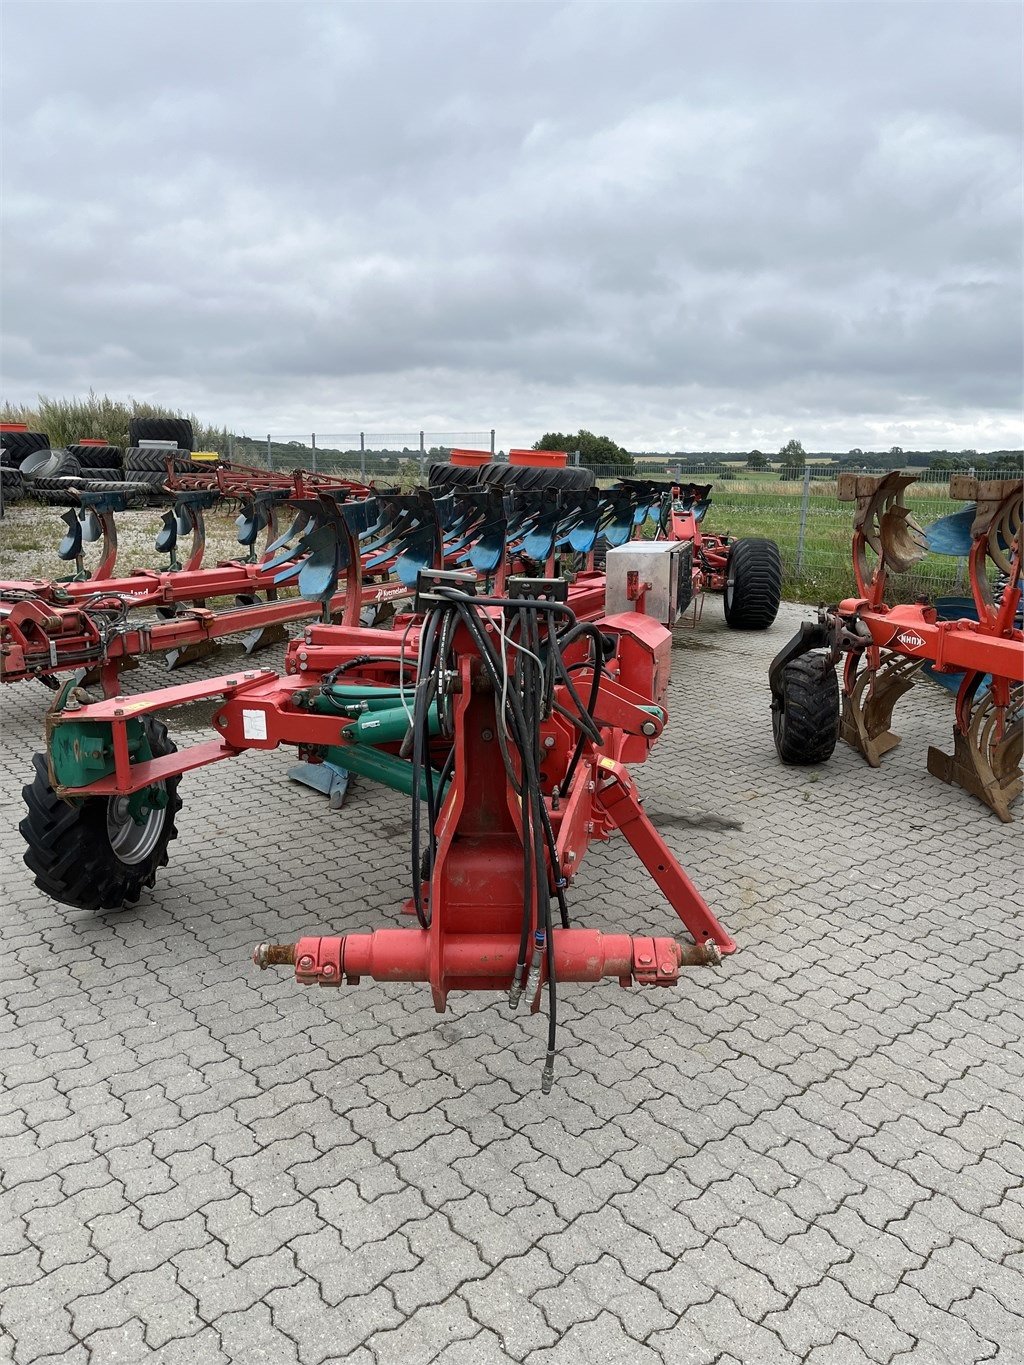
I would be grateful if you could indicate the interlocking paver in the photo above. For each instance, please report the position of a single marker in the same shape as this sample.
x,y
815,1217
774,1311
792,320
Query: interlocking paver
x,y
810,1155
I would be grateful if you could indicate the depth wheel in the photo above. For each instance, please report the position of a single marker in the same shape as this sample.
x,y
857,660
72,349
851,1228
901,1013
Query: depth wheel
x,y
95,854
753,585
805,719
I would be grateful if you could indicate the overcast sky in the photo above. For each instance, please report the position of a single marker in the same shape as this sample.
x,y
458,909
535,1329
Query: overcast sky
x,y
683,225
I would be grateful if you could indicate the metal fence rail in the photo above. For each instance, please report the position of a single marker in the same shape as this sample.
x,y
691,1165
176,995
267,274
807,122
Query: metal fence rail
x,y
803,515
363,452
814,529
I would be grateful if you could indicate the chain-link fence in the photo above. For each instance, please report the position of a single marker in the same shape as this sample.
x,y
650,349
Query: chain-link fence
x,y
812,528
366,454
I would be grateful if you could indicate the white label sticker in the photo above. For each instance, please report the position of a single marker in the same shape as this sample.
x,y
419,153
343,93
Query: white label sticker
x,y
254,724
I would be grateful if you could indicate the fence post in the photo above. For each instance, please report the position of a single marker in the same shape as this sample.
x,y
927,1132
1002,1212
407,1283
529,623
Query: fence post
x,y
362,456
231,448
423,456
270,453
492,443
805,503
313,443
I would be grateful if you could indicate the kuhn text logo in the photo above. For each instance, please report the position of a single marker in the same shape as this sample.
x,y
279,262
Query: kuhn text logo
x,y
909,640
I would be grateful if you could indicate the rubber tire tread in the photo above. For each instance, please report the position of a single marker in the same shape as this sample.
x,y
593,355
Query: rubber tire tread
x,y
442,475
755,566
13,483
530,479
156,461
103,475
177,429
806,725
18,444
98,457
156,477
69,852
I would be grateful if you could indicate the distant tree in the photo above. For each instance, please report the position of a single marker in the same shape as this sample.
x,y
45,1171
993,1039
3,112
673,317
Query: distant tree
x,y
595,451
856,452
896,452
794,460
755,460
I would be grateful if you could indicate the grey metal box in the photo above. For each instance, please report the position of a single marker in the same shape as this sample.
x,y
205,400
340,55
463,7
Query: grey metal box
x,y
659,563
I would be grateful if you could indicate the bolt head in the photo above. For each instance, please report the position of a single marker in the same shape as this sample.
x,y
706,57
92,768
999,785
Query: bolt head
x,y
327,969
306,963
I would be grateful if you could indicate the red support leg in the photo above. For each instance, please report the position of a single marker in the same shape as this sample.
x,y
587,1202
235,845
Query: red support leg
x,y
618,796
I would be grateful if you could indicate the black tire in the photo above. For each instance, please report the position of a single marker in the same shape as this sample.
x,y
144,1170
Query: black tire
x,y
151,476
805,719
453,475
154,461
98,457
753,588
70,850
530,479
177,429
63,482
685,578
94,474
13,483
18,444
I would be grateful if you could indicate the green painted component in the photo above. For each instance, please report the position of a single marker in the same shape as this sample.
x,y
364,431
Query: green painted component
x,y
388,726
140,803
82,751
385,768
356,694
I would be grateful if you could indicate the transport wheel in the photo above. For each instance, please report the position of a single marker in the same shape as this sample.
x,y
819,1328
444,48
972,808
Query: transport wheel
x,y
805,719
95,855
177,429
753,586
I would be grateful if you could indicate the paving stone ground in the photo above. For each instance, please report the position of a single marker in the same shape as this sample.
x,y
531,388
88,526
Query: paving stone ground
x,y
813,1154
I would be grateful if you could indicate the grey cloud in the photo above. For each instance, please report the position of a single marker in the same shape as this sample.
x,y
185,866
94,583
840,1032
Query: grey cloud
x,y
694,223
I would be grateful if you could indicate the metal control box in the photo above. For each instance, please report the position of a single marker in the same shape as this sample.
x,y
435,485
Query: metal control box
x,y
658,563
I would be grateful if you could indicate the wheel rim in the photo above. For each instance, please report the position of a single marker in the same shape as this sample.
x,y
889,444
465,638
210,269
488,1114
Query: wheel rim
x,y
728,594
131,842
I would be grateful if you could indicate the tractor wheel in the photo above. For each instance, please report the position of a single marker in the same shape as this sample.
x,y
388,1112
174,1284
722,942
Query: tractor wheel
x,y
805,719
531,479
443,475
753,587
154,461
18,445
177,429
97,457
13,483
94,855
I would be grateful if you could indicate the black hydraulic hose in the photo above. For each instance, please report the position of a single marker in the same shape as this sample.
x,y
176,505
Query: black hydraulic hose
x,y
419,723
